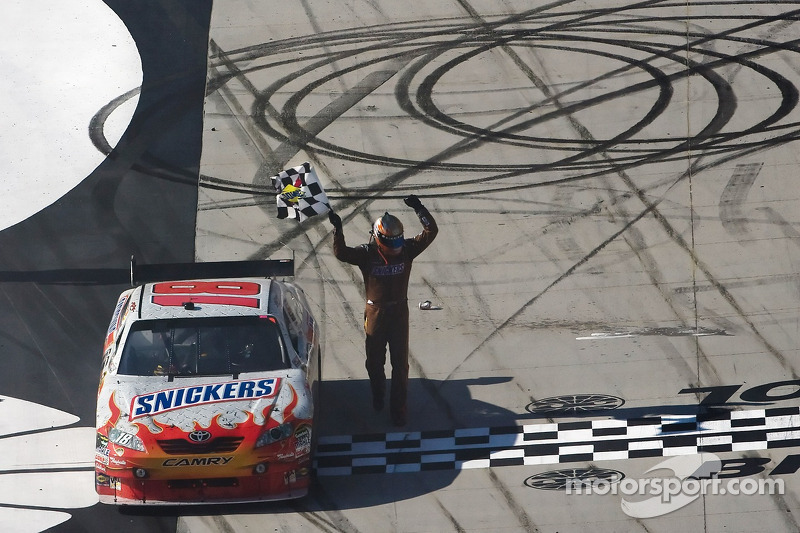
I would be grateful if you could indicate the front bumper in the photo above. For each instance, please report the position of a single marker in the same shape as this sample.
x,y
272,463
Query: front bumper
x,y
281,481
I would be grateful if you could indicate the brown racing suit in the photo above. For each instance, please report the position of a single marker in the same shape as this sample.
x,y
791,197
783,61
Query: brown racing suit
x,y
386,310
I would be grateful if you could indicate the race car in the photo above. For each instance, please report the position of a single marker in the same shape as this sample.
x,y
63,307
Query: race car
x,y
207,386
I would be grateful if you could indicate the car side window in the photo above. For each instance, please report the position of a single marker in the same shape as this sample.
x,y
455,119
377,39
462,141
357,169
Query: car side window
x,y
146,353
293,313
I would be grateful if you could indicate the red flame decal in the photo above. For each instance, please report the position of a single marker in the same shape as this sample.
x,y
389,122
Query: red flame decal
x,y
115,411
167,430
289,411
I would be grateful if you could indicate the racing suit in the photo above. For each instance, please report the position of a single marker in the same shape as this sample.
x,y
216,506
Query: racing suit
x,y
386,310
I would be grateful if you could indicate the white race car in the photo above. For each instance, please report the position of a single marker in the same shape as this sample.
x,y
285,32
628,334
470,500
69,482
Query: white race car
x,y
206,393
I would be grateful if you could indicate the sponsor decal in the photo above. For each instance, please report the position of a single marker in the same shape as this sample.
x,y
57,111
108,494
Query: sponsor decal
x,y
102,442
388,270
122,438
302,439
101,458
116,316
197,461
291,194
159,402
175,294
177,300
113,461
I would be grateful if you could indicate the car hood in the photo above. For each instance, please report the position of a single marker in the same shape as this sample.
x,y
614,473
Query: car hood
x,y
156,406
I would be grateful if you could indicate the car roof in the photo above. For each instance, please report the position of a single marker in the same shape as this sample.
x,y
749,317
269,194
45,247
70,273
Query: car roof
x,y
202,298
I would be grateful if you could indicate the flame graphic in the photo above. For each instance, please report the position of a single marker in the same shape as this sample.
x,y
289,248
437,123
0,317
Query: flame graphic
x,y
115,411
166,430
288,412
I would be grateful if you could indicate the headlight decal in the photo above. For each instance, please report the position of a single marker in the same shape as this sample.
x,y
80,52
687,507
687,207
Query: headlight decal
x,y
275,434
126,440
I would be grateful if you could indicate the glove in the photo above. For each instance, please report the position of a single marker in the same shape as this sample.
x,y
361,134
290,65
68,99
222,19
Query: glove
x,y
413,202
335,219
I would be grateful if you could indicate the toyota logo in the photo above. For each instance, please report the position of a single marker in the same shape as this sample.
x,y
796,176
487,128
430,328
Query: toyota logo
x,y
200,435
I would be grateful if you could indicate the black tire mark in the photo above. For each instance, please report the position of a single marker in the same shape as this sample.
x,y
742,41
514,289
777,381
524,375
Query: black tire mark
x,y
785,226
566,241
709,134
716,123
564,275
519,513
734,195
677,75
708,140
452,519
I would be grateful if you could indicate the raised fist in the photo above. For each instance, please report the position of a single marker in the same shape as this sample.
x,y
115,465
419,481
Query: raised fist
x,y
413,202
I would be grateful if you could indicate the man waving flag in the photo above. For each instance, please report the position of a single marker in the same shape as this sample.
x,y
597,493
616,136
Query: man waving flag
x,y
299,189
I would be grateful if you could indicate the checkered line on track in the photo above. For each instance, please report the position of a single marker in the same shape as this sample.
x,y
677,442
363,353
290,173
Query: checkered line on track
x,y
565,442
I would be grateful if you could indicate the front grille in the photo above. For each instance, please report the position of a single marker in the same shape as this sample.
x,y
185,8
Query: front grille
x,y
187,447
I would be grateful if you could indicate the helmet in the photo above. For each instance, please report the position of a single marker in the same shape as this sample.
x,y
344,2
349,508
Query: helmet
x,y
388,232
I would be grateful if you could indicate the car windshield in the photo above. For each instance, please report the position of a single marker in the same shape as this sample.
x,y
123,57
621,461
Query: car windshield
x,y
202,347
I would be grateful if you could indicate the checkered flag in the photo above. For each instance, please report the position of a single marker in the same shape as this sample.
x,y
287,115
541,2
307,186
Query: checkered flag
x,y
299,189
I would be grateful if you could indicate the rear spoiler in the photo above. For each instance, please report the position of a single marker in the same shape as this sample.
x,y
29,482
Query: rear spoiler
x,y
265,268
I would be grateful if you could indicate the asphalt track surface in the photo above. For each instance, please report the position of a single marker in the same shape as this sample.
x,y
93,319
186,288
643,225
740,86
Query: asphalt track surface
x,y
614,286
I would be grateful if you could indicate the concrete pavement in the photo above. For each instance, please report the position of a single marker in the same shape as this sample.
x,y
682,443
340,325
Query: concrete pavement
x,y
614,184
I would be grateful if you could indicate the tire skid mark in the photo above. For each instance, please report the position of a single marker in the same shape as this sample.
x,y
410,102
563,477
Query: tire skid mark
x,y
452,519
671,232
723,291
785,226
276,160
780,501
392,181
566,240
734,195
718,122
723,115
301,136
636,241
522,517
665,96
673,53
639,160
336,521
675,236
564,275
218,83
443,155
